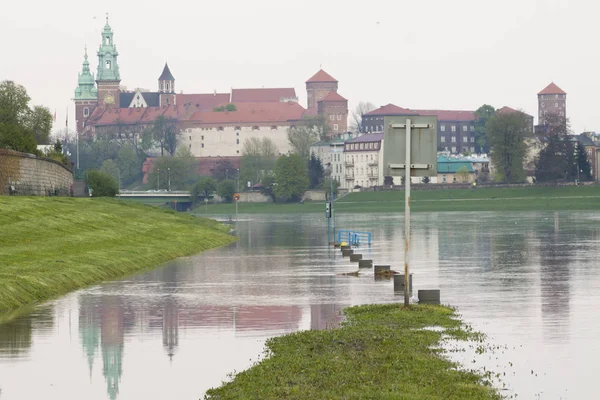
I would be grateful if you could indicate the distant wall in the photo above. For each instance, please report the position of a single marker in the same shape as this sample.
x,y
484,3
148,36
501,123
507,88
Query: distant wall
x,y
314,195
33,176
254,197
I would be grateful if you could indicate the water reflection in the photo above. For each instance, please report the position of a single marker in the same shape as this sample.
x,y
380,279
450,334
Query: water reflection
x,y
527,278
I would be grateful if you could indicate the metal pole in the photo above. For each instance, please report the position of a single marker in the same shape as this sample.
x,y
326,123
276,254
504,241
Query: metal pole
x,y
407,215
158,178
332,203
77,145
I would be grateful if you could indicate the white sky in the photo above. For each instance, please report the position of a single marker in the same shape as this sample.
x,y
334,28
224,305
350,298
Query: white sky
x,y
423,54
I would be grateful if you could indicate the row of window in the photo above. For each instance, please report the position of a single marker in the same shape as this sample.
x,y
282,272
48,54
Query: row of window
x,y
555,105
453,149
332,117
552,96
465,128
453,139
360,157
363,146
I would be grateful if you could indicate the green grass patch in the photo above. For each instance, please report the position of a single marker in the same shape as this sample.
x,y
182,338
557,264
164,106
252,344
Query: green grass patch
x,y
50,246
380,352
531,198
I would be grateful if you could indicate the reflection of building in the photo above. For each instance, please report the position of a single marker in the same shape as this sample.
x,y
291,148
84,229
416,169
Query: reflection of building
x,y
325,316
170,327
112,342
89,330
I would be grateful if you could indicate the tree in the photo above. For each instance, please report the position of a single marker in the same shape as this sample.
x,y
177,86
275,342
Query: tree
x,y
226,189
258,159
40,123
205,187
15,126
315,172
557,157
228,107
130,164
290,177
223,170
583,164
463,174
101,184
109,167
164,134
361,109
482,115
301,138
177,172
506,134
268,187
326,186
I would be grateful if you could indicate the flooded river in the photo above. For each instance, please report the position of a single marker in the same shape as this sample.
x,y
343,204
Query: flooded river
x,y
530,281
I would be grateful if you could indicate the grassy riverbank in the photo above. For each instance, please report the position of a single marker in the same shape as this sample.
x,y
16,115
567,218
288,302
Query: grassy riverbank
x,y
480,199
381,352
50,246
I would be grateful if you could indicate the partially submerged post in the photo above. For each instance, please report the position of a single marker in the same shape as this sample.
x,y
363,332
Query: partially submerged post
x,y
397,161
355,257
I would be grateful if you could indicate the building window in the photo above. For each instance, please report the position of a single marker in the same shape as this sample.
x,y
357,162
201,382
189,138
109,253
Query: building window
x,y
376,146
237,134
220,128
202,137
237,128
464,128
237,151
453,139
472,139
465,139
454,178
453,128
273,128
339,117
86,111
472,128
444,178
190,138
335,127
107,64
331,117
454,149
362,146
543,105
472,149
255,128
443,139
237,141
443,128
202,145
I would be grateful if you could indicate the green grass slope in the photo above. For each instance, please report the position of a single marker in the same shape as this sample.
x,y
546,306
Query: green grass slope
x,y
50,246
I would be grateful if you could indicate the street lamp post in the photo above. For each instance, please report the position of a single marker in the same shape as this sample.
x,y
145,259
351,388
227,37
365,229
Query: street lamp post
x,y
169,177
157,178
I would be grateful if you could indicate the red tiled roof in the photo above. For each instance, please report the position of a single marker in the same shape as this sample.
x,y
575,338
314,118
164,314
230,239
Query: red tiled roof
x,y
509,110
552,89
391,109
206,101
262,94
321,76
449,115
333,96
251,113
142,115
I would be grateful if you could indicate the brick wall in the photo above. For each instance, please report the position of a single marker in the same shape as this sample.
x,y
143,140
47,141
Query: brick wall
x,y
33,176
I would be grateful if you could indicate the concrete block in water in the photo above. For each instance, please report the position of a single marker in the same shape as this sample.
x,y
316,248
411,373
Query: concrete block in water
x,y
347,253
355,257
399,283
430,296
337,245
345,247
381,268
365,263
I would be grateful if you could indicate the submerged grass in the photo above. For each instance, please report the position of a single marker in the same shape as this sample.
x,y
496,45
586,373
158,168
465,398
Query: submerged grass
x,y
50,246
380,352
527,198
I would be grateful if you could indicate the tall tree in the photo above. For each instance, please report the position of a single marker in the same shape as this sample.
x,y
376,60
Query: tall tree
x,y
226,189
109,167
258,159
40,123
163,134
223,170
556,158
361,109
130,164
315,172
15,127
301,138
482,115
583,164
178,172
506,134
290,177
205,187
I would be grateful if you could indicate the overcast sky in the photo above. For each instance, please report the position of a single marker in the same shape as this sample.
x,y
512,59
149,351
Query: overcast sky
x,y
424,54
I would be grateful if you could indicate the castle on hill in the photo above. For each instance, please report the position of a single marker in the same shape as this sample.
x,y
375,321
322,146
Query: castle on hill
x,y
103,105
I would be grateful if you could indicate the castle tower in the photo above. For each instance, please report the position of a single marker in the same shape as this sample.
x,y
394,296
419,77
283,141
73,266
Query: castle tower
x,y
334,108
86,95
108,77
166,87
317,87
551,100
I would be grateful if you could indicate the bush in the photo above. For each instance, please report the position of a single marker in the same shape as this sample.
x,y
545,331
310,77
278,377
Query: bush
x,y
226,190
101,184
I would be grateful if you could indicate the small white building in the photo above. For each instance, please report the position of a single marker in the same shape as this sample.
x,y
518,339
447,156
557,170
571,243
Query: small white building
x,y
363,161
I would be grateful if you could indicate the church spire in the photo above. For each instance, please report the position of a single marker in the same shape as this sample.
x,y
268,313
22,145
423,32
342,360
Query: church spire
x,y
86,89
166,81
108,69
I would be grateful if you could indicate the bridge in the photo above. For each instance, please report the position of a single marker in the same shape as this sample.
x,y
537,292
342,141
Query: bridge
x,y
179,199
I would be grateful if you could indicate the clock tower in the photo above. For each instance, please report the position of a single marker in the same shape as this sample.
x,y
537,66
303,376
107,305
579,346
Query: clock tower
x,y
108,77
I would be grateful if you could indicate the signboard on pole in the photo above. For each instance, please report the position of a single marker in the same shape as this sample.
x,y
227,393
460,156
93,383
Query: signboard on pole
x,y
423,146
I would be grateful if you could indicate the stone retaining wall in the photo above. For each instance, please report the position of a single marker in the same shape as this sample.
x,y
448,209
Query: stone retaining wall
x,y
27,175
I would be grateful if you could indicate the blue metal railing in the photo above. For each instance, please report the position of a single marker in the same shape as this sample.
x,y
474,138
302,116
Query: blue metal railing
x,y
354,238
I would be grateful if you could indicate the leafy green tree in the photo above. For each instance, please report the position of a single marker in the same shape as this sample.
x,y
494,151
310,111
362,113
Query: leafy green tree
x,y
315,172
583,164
205,187
557,158
163,134
506,134
301,138
268,187
290,177
463,174
258,159
130,164
482,115
40,123
228,107
226,190
177,172
110,167
15,126
101,184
